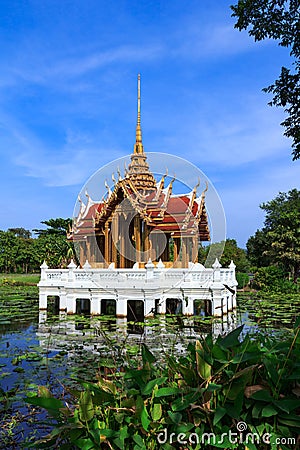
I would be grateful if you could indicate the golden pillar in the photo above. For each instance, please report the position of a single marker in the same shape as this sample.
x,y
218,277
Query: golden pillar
x,y
184,253
176,252
137,237
195,249
82,253
122,243
106,243
88,249
147,242
114,235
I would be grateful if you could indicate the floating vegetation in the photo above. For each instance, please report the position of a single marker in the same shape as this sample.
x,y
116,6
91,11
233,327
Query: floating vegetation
x,y
270,310
63,349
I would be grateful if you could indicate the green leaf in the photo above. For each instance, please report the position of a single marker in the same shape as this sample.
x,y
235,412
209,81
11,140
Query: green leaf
x,y
164,392
147,356
107,386
263,395
150,385
85,444
175,417
145,419
213,387
297,322
156,411
287,405
52,405
139,441
99,395
269,411
231,340
219,413
182,403
203,368
86,408
219,354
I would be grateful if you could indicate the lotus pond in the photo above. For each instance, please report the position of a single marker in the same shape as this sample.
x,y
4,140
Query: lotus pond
x,y
56,350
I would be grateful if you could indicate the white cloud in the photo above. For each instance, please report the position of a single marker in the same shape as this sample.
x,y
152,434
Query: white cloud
x,y
50,67
212,41
69,164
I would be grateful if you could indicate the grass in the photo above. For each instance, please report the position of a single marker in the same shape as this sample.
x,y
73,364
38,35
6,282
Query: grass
x,y
19,278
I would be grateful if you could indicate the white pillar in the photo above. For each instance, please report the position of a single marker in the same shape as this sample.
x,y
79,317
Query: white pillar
x,y
149,307
162,306
42,317
95,304
71,304
62,300
217,304
42,300
121,307
187,306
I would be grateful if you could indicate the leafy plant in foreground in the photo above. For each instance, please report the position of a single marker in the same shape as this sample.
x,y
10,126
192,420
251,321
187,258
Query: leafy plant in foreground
x,y
210,389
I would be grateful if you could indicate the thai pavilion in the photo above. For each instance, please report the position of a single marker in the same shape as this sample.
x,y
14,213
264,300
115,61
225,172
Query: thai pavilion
x,y
138,251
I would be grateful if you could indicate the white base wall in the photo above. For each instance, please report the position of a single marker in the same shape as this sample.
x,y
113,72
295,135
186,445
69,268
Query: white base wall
x,y
154,286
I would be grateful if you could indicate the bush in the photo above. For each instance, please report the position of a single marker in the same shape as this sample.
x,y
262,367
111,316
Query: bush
x,y
216,387
242,279
273,279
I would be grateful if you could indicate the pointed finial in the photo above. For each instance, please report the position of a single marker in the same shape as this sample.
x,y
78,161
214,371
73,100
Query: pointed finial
x,y
138,147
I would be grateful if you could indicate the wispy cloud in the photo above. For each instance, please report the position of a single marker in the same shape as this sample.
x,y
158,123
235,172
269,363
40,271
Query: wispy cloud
x,y
52,68
212,41
70,163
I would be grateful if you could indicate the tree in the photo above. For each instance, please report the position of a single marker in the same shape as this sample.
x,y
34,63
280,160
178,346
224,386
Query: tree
x,y
52,244
20,232
257,246
280,236
8,251
278,20
55,227
230,252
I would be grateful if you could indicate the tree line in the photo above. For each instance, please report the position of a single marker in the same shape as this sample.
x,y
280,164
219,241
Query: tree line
x,y
20,252
275,246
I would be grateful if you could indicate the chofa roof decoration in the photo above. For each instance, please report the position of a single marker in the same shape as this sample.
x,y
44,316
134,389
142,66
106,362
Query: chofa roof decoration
x,y
178,214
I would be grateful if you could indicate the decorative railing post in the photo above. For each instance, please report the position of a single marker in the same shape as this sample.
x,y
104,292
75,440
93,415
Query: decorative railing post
x,y
43,268
149,270
43,291
71,268
234,284
216,289
160,267
217,270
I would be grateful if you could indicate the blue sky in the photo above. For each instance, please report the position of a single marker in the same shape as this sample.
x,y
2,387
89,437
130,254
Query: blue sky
x,y
68,74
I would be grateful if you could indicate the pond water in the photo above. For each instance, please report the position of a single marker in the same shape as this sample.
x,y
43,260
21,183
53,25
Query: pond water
x,y
57,350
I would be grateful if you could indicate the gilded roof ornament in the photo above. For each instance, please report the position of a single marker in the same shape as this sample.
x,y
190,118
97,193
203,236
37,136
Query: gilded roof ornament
x,y
138,146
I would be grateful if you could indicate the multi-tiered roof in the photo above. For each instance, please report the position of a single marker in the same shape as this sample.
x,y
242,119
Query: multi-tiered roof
x,y
178,216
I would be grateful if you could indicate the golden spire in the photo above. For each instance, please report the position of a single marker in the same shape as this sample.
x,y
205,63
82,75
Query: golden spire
x,y
138,146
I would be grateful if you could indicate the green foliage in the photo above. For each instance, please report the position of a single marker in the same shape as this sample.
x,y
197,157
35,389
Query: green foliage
x,y
19,253
273,279
257,246
279,240
210,388
278,20
55,227
242,279
230,252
